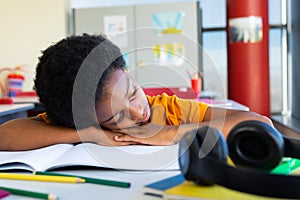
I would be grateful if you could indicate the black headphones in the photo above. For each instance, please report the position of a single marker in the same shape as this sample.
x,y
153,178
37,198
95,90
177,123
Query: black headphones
x,y
255,148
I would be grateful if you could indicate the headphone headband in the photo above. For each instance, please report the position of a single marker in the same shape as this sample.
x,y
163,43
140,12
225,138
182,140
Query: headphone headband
x,y
251,181
209,169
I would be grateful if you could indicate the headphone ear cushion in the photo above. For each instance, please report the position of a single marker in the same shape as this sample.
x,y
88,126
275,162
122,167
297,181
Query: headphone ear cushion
x,y
205,142
255,144
213,144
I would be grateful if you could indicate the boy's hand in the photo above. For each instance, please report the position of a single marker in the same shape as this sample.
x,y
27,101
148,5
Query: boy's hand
x,y
150,134
102,137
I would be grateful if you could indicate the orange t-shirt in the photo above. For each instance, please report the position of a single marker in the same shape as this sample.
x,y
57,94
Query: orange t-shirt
x,y
169,110
45,117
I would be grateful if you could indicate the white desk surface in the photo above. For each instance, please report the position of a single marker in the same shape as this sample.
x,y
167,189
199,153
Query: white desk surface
x,y
228,103
234,105
80,191
6,109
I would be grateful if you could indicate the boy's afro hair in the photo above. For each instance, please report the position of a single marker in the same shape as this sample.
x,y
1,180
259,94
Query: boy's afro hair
x,y
57,70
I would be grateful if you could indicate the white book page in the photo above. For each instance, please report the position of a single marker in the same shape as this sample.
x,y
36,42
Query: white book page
x,y
76,156
37,159
134,157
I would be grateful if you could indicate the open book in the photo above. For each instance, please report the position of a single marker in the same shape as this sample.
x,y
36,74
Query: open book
x,y
134,157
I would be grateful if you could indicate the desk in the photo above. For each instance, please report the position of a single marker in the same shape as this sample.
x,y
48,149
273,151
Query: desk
x,y
188,93
229,104
38,108
12,111
92,191
89,191
288,125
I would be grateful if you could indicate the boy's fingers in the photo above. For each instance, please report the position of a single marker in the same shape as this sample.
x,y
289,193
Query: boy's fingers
x,y
146,130
128,138
124,138
126,143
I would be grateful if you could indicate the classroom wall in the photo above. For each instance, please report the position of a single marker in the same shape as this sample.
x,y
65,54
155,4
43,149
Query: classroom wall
x,y
26,28
149,66
110,3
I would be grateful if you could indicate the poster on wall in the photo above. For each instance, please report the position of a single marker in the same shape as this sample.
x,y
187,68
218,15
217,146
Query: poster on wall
x,y
169,53
115,27
169,22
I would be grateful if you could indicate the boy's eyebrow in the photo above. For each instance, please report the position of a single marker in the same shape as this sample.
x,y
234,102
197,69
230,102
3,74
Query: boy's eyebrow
x,y
126,94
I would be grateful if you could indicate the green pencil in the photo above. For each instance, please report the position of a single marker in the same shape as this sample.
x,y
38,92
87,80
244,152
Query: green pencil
x,y
90,180
29,193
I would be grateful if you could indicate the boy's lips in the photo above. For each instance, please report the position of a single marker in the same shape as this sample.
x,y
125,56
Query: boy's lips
x,y
146,118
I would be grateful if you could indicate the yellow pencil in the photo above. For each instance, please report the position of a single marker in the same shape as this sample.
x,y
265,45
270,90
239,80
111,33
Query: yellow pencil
x,y
46,178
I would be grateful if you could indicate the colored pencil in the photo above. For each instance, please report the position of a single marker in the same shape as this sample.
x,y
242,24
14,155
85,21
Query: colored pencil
x,y
31,177
4,193
90,180
29,193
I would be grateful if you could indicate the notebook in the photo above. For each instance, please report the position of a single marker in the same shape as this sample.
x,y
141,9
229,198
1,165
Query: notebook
x,y
134,157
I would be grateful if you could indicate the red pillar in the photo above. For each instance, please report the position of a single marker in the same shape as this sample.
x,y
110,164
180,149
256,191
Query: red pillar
x,y
248,54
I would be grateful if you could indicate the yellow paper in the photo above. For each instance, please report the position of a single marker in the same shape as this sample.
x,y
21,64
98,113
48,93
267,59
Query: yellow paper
x,y
190,190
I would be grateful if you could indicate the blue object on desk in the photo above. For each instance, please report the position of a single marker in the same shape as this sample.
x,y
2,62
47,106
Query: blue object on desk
x,y
157,188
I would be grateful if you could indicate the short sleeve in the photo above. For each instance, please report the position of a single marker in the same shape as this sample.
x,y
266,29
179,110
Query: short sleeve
x,y
45,117
171,110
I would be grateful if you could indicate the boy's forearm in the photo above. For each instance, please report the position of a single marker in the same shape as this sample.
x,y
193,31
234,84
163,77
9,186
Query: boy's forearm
x,y
27,133
168,135
224,125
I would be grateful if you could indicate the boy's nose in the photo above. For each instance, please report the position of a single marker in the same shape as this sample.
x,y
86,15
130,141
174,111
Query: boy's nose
x,y
136,111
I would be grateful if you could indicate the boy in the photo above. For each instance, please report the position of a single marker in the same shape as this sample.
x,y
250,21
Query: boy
x,y
88,97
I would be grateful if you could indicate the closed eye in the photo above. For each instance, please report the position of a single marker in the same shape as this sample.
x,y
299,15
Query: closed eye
x,y
133,95
120,117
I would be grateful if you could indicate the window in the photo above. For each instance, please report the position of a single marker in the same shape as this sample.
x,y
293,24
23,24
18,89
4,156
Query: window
x,y
214,44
